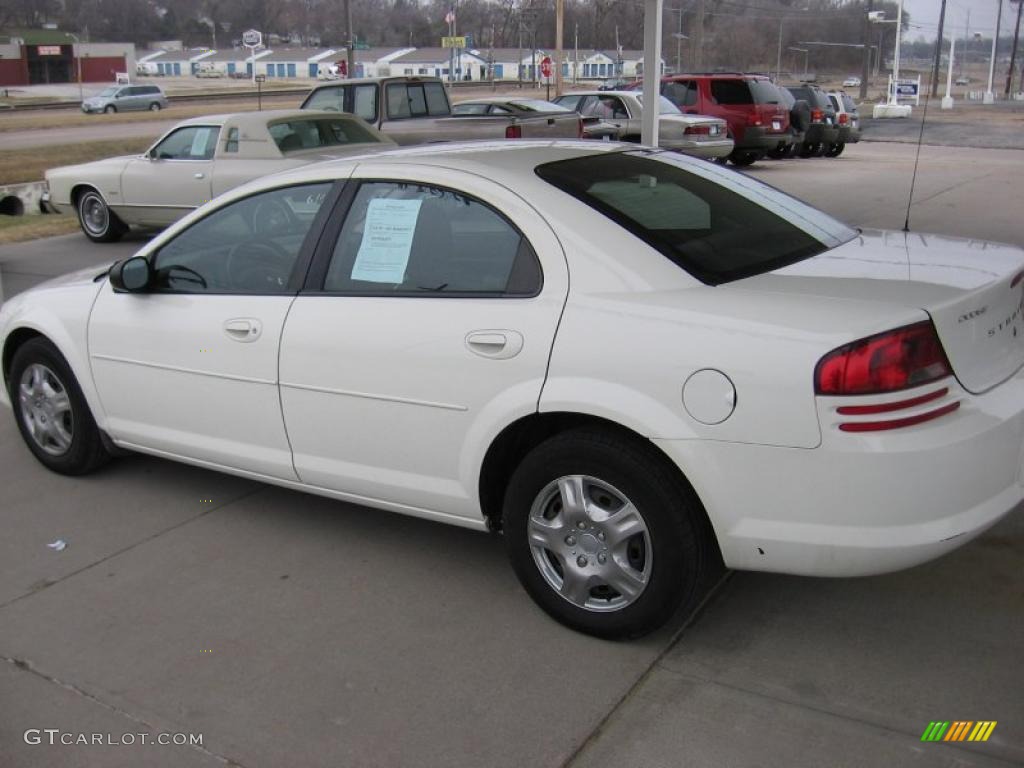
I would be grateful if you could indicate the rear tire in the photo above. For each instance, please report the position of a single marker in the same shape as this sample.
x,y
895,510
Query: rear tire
x,y
779,153
619,563
51,412
743,158
98,222
835,150
809,150
155,107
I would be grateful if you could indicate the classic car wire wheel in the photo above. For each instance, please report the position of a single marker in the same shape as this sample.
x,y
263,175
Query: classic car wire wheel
x,y
94,214
46,409
590,543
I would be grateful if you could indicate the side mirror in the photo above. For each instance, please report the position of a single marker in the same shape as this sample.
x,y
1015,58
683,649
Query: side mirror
x,y
131,276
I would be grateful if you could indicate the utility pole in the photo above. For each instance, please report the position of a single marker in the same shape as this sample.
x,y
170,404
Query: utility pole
x,y
519,64
778,56
967,41
865,72
576,54
351,58
1013,52
938,52
679,39
989,96
698,39
559,22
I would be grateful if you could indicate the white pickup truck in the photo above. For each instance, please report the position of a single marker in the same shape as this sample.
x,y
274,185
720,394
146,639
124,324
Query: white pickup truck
x,y
415,110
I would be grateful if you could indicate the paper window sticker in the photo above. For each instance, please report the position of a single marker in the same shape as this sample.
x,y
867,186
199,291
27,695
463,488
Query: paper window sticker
x,y
387,241
199,143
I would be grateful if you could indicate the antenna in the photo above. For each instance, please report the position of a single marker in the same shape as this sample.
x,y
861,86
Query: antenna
x,y
917,156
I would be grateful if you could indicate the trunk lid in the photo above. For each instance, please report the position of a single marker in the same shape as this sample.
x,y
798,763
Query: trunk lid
x,y
973,290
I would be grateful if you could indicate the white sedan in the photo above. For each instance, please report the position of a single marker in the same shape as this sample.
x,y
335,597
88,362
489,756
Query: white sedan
x,y
632,363
697,135
197,160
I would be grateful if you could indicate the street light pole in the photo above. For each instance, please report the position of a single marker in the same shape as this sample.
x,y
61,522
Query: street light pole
x,y
989,96
1013,52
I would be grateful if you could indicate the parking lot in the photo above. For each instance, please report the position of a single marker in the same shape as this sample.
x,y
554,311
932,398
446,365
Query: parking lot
x,y
289,629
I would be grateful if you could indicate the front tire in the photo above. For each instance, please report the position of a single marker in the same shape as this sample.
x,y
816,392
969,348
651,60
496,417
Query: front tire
x,y
602,535
98,222
110,109
51,412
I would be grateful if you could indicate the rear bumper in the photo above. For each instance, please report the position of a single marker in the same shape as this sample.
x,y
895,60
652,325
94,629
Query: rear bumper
x,y
817,133
704,149
865,503
760,139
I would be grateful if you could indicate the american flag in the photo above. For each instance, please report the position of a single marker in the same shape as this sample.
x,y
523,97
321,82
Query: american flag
x,y
449,17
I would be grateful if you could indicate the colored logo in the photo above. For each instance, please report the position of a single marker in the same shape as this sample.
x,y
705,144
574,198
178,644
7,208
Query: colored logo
x,y
959,730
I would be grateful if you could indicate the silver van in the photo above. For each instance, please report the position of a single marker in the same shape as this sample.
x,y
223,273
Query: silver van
x,y
122,98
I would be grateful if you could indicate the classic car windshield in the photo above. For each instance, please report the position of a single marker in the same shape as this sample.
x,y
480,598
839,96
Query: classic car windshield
x,y
296,135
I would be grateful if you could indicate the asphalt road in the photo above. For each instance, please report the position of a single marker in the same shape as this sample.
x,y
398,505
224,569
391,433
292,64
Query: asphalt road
x,y
292,630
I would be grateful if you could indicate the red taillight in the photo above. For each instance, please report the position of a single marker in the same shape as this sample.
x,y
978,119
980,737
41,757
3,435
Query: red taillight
x,y
516,131
843,118
899,359
754,119
698,130
817,115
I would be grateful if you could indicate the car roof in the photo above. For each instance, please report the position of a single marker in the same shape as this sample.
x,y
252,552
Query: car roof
x,y
260,118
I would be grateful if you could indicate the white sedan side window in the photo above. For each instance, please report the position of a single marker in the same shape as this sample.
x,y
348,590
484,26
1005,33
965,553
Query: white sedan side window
x,y
406,238
249,246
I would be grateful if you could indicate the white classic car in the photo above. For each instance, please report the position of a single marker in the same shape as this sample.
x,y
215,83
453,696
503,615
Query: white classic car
x,y
197,160
631,362
697,135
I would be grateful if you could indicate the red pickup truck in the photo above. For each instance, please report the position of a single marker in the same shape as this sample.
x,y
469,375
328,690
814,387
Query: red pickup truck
x,y
750,104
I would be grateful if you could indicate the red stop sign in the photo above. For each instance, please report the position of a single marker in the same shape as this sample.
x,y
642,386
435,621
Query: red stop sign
x,y
545,66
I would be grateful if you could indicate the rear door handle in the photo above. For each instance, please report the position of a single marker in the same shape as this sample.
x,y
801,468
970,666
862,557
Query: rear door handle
x,y
244,329
495,344
199,175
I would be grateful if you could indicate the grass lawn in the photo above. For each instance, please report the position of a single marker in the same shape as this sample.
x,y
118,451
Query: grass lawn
x,y
18,229
33,120
19,165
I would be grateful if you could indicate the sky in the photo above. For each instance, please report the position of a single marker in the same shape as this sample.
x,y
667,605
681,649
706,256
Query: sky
x,y
983,17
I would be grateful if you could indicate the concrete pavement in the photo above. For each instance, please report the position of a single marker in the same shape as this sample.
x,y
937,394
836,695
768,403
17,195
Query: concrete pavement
x,y
293,630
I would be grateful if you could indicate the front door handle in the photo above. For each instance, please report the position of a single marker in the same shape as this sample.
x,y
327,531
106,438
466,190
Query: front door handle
x,y
199,175
244,329
495,344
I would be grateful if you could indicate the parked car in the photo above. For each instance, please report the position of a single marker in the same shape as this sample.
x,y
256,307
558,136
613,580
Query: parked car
x,y
126,98
822,134
415,110
633,363
963,81
615,84
209,70
851,82
848,119
748,103
799,120
196,160
696,135
506,105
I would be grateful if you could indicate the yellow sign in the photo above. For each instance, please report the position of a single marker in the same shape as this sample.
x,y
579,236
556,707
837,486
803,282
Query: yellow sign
x,y
453,42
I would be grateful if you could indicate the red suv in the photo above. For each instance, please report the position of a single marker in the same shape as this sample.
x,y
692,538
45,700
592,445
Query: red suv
x,y
750,104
